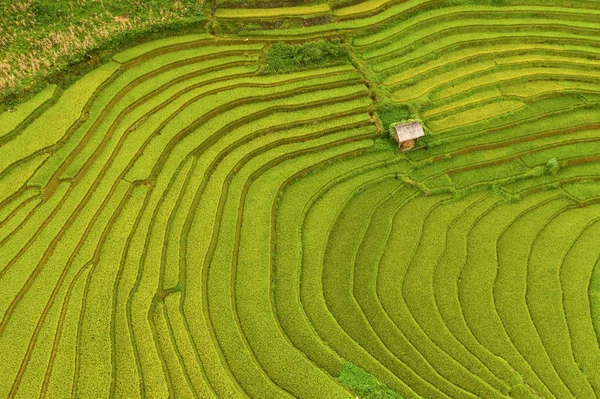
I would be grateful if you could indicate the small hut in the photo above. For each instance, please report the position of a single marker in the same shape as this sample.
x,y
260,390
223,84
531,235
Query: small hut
x,y
407,133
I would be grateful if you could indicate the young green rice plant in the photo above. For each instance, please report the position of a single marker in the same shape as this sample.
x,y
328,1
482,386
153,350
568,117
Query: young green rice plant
x,y
594,294
406,235
12,118
153,261
475,288
349,25
183,147
446,277
59,377
318,219
343,239
545,119
18,217
193,366
195,305
24,237
511,283
575,280
200,205
246,99
417,292
54,124
246,276
506,73
223,233
582,189
138,284
465,102
47,283
159,46
286,237
452,372
163,105
179,383
431,30
94,345
126,110
545,292
15,202
476,112
226,324
254,13
16,176
127,381
413,89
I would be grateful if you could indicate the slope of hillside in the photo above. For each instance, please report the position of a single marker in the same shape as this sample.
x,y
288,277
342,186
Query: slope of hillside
x,y
184,221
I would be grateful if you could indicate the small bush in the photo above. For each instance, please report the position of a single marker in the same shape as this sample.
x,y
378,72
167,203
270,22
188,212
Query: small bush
x,y
389,113
552,166
364,384
283,57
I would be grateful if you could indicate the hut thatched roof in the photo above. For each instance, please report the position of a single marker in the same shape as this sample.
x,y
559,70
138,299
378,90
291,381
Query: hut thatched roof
x,y
408,131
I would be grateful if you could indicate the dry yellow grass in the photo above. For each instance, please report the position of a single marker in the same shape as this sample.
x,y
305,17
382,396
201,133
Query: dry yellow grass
x,y
30,47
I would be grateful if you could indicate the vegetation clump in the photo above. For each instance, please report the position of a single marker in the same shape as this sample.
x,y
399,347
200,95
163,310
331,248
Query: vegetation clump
x,y
46,37
389,113
284,57
364,384
552,166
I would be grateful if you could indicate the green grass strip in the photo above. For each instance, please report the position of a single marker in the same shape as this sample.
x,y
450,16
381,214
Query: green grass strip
x,y
304,12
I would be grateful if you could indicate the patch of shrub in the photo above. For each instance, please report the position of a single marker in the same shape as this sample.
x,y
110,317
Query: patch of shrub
x,y
389,113
364,384
552,166
284,57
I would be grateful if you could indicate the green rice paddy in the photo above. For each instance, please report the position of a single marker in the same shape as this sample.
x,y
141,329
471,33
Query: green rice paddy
x,y
181,222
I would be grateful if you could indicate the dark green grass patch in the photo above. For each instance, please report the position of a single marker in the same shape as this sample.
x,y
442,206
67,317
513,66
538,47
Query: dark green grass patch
x,y
390,112
364,384
283,57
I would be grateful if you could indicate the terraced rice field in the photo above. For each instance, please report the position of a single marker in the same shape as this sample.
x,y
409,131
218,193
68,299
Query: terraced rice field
x,y
179,224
